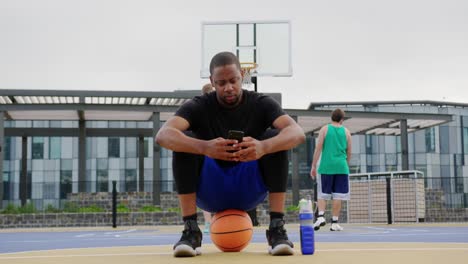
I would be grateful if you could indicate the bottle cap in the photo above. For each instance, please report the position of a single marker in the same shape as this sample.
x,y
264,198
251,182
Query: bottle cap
x,y
305,206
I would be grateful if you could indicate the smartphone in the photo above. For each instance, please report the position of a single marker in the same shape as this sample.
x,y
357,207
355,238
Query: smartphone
x,y
236,134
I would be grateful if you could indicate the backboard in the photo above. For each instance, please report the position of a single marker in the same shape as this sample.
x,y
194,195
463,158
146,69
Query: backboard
x,y
266,43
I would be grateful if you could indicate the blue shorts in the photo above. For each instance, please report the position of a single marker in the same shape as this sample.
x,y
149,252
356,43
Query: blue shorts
x,y
230,187
333,186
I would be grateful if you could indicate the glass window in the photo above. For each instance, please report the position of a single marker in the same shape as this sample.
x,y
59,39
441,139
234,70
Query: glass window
x,y
389,144
66,164
114,147
391,159
130,180
446,178
131,163
6,185
444,140
66,144
7,148
65,183
131,147
398,144
459,186
146,148
102,181
465,140
430,139
55,123
114,124
131,124
55,148
29,184
40,123
102,164
89,145
420,159
49,190
368,144
37,147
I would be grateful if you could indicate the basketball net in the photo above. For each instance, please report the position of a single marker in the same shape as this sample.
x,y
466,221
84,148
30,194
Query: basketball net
x,y
249,69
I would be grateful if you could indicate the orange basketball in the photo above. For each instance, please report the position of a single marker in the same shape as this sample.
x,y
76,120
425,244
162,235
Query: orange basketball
x,y
231,230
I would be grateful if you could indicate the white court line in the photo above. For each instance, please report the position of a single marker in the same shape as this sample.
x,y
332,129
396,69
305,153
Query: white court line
x,y
116,234
418,234
84,235
120,232
87,239
381,228
391,249
263,251
87,255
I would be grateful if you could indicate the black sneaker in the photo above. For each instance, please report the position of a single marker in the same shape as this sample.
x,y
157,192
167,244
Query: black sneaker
x,y
189,244
278,239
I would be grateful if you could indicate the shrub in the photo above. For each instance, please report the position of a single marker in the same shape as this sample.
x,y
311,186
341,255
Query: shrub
x,y
13,209
292,208
173,209
10,209
27,209
70,207
51,209
122,208
91,209
150,208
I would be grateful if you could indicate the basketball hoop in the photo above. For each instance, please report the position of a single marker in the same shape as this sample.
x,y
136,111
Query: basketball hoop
x,y
249,69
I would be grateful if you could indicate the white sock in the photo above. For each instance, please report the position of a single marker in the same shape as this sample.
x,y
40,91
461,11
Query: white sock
x,y
321,212
335,218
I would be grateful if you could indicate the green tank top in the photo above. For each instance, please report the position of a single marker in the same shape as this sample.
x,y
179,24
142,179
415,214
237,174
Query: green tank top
x,y
334,156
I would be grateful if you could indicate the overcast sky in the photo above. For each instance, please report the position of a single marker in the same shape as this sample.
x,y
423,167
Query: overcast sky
x,y
343,50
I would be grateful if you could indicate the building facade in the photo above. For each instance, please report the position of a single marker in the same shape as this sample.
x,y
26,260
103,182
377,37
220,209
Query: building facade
x,y
52,163
440,152
45,158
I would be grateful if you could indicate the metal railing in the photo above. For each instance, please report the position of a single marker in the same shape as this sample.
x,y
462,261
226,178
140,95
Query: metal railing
x,y
412,196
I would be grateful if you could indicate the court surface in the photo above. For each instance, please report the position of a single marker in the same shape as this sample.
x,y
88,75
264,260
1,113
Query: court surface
x,y
412,243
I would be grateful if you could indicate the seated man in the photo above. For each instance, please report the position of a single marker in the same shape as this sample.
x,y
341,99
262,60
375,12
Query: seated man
x,y
209,154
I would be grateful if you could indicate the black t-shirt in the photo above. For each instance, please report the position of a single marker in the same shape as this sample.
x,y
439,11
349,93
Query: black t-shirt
x,y
208,119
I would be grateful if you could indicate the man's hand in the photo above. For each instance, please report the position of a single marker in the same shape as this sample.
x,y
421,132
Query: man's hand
x,y
313,172
250,149
222,149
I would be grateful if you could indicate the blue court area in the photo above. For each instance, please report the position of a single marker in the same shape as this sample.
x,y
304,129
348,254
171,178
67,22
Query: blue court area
x,y
21,241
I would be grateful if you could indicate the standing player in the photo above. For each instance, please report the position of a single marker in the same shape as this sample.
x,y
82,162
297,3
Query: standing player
x,y
334,147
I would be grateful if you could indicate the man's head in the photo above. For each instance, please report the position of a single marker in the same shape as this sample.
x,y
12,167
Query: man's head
x,y
226,77
338,115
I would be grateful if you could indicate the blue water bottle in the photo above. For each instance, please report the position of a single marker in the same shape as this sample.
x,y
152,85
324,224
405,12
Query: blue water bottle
x,y
306,220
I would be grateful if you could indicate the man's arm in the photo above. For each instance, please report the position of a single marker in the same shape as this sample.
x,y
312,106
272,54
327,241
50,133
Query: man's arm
x,y
290,135
170,136
318,151
349,147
